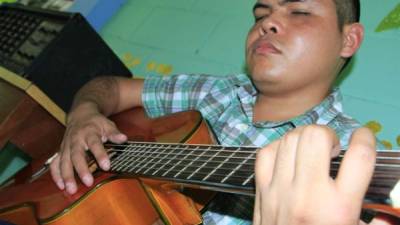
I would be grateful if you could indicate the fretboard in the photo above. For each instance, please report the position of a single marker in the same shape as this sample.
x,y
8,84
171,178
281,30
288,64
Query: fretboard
x,y
225,168
205,165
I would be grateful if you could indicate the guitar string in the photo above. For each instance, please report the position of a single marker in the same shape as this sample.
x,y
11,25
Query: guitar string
x,y
218,147
376,176
127,167
381,183
223,149
146,151
253,158
381,165
143,159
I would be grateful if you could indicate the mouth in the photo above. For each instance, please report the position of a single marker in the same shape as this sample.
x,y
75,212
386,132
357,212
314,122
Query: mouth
x,y
265,47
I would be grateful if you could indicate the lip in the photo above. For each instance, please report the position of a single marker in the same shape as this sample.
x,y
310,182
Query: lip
x,y
265,47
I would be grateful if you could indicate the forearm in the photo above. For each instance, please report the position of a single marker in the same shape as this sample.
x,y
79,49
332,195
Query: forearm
x,y
100,94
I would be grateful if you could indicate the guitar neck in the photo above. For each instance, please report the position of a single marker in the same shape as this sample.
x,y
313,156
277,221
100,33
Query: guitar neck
x,y
228,169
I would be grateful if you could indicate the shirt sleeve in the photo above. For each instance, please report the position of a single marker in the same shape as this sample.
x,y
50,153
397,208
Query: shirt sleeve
x,y
176,93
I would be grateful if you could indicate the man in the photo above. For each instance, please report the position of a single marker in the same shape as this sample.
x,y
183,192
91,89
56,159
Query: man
x,y
294,52
301,190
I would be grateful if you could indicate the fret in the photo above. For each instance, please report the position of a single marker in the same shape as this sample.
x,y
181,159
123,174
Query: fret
x,y
221,164
164,157
148,156
206,163
203,165
184,174
190,163
157,150
189,170
188,152
119,160
132,153
199,159
141,155
171,152
250,178
238,167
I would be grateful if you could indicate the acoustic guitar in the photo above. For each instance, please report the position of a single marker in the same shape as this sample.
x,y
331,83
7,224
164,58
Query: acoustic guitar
x,y
148,174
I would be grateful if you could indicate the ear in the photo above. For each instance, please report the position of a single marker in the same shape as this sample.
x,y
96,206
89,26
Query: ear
x,y
353,35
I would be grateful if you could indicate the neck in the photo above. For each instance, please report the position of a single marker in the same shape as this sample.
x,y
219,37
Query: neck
x,y
281,107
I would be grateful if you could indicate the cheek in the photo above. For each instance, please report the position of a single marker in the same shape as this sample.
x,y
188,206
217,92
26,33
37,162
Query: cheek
x,y
251,37
311,46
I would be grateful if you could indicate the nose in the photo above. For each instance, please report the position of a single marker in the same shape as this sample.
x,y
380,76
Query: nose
x,y
271,25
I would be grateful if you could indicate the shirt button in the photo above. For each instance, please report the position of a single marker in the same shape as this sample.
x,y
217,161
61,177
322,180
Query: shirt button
x,y
242,126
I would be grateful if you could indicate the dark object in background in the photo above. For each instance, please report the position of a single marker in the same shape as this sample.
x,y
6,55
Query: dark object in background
x,y
59,52
2,222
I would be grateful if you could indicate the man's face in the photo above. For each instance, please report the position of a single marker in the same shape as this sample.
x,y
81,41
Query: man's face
x,y
293,43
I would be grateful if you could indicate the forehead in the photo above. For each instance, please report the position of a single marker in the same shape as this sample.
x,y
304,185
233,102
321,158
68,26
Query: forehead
x,y
286,2
327,6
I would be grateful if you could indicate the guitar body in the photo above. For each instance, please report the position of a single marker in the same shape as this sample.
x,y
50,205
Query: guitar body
x,y
24,123
113,199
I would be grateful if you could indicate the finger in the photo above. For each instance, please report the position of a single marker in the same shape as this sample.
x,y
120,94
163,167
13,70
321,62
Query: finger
x,y
95,145
264,167
67,172
314,154
257,209
56,173
285,158
80,164
112,134
357,166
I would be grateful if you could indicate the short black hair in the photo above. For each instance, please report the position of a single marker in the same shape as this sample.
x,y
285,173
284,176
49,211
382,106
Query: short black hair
x,y
348,11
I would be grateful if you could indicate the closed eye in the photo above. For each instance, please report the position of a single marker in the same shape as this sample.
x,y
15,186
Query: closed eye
x,y
258,18
302,13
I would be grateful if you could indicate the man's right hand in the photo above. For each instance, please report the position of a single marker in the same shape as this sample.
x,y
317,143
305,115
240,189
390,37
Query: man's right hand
x,y
87,130
88,127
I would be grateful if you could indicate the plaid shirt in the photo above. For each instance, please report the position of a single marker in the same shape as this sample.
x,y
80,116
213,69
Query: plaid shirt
x,y
226,103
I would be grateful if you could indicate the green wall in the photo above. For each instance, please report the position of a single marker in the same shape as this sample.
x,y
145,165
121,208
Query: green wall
x,y
161,37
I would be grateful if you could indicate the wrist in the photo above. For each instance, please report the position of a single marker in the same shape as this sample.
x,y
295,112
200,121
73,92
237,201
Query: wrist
x,y
81,110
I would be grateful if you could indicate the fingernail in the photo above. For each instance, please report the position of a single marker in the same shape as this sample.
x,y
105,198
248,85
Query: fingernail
x,y
71,188
121,136
60,185
105,165
87,180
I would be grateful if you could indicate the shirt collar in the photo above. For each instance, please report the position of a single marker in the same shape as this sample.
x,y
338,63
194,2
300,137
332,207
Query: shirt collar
x,y
321,114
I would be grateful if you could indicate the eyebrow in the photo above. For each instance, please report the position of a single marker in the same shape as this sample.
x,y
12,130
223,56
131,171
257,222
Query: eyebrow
x,y
259,5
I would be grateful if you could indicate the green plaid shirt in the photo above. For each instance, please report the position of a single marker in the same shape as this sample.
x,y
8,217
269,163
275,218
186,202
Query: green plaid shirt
x,y
226,103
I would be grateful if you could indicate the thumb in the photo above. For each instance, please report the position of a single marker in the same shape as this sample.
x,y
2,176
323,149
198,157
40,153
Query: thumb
x,y
117,137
